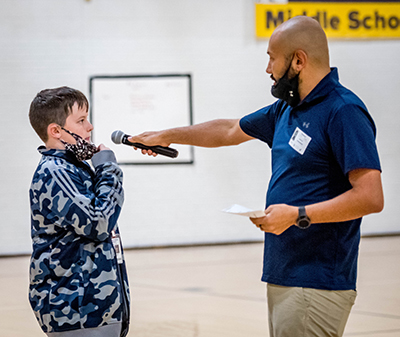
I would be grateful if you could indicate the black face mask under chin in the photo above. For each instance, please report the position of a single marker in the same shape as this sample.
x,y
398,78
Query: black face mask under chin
x,y
287,89
82,150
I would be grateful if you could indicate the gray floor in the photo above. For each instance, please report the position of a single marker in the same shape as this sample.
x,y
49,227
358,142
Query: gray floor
x,y
215,292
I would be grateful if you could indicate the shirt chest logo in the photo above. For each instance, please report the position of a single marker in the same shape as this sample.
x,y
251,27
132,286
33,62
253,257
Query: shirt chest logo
x,y
299,141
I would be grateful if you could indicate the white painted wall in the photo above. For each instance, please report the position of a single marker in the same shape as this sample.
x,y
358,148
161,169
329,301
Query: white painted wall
x,y
47,43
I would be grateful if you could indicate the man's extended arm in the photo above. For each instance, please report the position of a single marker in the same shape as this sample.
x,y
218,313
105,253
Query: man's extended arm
x,y
215,133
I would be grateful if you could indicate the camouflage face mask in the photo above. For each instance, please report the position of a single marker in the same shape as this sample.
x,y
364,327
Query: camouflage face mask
x,y
82,150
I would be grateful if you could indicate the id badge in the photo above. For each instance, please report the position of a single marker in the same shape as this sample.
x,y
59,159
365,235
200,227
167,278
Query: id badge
x,y
117,246
299,141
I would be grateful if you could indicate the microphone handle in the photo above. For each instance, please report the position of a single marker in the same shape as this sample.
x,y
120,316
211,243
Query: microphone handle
x,y
165,151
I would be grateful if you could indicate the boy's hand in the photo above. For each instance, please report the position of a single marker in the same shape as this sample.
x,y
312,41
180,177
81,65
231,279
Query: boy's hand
x,y
103,147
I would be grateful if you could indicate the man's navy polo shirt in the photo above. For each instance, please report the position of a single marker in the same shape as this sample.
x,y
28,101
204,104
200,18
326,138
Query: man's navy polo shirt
x,y
314,146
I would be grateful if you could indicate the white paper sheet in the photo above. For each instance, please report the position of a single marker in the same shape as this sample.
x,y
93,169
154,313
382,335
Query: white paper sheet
x,y
241,210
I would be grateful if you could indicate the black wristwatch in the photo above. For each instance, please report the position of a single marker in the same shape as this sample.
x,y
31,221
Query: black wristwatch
x,y
303,221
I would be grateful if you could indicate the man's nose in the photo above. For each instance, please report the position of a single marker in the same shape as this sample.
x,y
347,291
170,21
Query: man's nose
x,y
268,70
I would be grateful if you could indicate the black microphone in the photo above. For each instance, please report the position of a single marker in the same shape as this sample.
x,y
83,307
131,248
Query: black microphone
x,y
119,137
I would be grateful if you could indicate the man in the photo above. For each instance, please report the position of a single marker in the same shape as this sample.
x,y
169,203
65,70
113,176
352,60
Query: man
x,y
326,175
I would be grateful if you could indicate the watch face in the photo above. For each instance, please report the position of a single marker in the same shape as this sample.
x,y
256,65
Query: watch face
x,y
303,223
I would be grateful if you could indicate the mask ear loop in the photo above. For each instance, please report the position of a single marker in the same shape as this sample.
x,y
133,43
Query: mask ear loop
x,y
286,74
75,136
71,133
288,69
291,93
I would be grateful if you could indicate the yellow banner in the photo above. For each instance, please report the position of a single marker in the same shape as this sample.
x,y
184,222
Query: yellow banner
x,y
339,20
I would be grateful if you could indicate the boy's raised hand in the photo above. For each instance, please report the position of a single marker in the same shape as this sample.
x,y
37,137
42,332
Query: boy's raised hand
x,y
102,147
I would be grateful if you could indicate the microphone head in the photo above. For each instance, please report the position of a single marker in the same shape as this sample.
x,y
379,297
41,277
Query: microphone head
x,y
117,136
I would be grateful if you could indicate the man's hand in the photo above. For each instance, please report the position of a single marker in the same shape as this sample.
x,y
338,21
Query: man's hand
x,y
149,138
277,218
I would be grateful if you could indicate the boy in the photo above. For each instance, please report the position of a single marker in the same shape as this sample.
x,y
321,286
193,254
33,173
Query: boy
x,y
78,280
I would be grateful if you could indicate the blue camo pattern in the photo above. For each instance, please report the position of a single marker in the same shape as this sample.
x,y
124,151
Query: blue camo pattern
x,y
75,281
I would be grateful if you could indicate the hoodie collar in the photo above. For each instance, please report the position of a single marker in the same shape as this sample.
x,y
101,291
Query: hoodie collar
x,y
64,154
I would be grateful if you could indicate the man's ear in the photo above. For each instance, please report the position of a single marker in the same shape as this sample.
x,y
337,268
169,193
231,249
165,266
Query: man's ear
x,y
54,131
300,59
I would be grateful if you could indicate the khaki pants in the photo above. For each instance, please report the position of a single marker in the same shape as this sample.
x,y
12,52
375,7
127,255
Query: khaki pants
x,y
305,312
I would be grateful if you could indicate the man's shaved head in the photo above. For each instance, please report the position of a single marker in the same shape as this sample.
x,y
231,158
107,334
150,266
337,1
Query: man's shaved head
x,y
304,33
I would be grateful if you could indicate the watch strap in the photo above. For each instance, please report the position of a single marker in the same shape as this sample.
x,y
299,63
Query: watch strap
x,y
303,221
302,211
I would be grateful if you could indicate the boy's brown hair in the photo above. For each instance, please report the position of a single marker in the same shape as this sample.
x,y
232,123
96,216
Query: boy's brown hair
x,y
54,106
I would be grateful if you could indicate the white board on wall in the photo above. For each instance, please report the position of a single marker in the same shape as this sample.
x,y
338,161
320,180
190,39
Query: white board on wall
x,y
138,103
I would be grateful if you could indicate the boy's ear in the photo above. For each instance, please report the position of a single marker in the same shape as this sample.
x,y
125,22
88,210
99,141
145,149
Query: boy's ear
x,y
54,131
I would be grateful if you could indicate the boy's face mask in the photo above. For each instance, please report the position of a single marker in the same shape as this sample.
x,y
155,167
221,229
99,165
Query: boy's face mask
x,y
82,150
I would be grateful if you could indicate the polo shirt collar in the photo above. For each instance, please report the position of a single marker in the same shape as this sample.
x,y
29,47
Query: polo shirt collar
x,y
323,88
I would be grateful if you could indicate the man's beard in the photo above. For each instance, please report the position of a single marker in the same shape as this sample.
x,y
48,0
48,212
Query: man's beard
x,y
287,89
